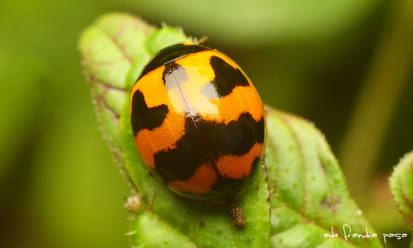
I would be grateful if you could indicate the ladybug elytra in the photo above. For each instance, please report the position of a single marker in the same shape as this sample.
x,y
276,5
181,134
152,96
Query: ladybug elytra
x,y
198,122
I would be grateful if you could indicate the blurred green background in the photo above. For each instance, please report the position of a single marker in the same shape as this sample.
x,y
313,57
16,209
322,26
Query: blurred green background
x,y
344,64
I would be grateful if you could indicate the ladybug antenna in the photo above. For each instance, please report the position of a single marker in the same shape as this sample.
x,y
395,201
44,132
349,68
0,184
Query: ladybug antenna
x,y
201,40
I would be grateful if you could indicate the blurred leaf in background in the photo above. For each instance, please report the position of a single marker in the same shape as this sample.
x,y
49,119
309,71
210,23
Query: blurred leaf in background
x,y
58,184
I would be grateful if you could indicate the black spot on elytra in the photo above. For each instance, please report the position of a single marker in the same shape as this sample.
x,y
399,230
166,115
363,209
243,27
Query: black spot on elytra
x,y
180,163
174,75
226,78
236,137
169,54
144,117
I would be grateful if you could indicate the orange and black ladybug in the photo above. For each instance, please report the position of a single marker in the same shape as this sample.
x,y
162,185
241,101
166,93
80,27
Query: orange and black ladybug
x,y
198,122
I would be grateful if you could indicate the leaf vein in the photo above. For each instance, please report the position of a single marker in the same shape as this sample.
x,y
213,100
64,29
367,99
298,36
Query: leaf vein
x,y
115,41
306,219
301,157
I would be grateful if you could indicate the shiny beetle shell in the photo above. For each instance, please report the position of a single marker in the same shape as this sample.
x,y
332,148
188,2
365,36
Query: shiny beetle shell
x,y
198,122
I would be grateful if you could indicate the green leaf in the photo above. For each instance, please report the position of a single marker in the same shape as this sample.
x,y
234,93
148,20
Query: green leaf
x,y
296,196
401,184
153,232
108,49
309,192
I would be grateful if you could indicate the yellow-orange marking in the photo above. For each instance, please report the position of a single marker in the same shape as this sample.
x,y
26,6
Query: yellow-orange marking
x,y
172,129
237,167
202,181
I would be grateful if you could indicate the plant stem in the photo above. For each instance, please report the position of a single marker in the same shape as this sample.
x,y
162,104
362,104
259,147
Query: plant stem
x,y
385,80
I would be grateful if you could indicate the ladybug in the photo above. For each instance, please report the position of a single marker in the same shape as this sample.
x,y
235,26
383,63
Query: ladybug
x,y
198,122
